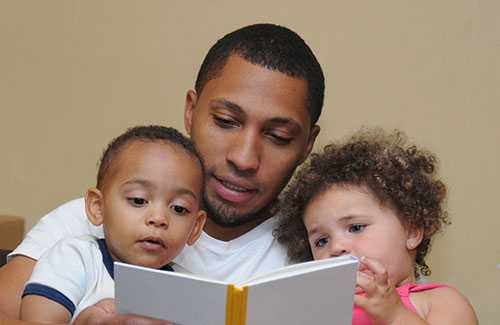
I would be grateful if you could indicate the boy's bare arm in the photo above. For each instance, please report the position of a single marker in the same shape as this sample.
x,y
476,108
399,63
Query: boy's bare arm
x,y
13,276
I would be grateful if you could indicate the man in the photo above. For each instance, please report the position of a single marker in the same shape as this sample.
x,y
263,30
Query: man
x,y
252,117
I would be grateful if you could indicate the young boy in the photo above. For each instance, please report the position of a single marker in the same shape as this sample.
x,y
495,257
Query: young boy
x,y
148,194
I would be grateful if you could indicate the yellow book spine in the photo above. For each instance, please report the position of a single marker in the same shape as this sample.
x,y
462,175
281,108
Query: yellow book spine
x,y
230,304
236,305
243,308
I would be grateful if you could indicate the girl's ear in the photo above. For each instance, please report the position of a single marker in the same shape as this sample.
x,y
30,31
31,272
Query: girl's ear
x,y
94,206
199,223
414,237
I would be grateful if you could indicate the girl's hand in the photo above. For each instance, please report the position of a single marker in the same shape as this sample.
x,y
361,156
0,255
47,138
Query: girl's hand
x,y
381,300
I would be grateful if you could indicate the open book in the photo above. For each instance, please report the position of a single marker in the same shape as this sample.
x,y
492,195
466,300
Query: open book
x,y
307,293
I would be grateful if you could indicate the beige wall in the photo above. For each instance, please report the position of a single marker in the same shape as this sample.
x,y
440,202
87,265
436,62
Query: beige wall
x,y
73,74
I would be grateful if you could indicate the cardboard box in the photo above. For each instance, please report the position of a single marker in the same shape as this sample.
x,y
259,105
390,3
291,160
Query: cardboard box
x,y
11,231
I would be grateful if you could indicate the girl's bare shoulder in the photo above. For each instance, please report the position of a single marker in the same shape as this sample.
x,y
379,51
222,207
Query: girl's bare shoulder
x,y
444,305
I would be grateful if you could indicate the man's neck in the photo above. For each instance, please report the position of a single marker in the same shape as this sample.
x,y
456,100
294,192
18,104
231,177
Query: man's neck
x,y
229,233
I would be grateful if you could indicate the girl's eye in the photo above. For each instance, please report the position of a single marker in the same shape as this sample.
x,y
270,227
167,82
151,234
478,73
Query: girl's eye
x,y
180,209
355,228
137,201
321,242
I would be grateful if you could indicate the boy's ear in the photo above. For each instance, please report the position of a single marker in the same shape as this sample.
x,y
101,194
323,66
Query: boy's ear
x,y
94,206
414,237
199,223
189,106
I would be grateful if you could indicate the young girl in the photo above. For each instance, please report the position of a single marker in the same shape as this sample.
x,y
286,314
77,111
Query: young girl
x,y
379,199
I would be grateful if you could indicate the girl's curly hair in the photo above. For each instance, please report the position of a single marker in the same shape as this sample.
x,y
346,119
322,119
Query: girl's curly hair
x,y
399,175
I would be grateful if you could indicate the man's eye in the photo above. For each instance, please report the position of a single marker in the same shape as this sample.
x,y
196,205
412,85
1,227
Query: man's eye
x,y
279,139
180,209
225,123
321,242
137,201
355,228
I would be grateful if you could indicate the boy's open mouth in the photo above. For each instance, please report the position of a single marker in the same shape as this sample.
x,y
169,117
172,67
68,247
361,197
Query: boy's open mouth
x,y
153,241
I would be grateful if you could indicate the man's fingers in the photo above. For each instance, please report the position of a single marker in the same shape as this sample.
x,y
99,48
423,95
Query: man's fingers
x,y
140,320
108,305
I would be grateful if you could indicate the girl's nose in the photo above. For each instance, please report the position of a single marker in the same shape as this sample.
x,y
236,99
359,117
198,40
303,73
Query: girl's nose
x,y
339,248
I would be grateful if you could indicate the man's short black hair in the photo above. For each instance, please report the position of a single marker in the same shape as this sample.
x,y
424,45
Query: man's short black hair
x,y
273,47
148,133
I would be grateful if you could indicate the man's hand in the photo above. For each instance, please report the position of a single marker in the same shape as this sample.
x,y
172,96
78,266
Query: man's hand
x,y
104,313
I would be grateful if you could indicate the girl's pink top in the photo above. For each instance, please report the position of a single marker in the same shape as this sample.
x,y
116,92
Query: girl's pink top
x,y
359,316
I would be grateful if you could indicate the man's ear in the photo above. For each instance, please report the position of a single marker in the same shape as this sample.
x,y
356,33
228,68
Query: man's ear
x,y
310,142
189,106
199,223
94,206
414,237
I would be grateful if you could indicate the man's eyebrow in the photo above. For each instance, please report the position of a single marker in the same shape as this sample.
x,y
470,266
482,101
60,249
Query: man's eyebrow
x,y
238,109
228,104
286,121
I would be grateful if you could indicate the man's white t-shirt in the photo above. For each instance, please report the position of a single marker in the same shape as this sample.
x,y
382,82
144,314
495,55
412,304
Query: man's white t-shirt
x,y
251,254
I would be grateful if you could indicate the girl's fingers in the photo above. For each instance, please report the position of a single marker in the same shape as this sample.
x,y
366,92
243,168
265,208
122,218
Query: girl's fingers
x,y
378,269
366,283
360,301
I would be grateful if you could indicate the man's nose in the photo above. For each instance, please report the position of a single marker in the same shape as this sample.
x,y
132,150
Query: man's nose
x,y
245,152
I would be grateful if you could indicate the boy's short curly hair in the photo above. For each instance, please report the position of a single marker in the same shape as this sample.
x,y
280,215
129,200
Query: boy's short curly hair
x,y
398,174
146,133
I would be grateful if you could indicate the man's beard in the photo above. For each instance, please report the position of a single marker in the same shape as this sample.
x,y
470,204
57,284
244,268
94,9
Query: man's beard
x,y
226,216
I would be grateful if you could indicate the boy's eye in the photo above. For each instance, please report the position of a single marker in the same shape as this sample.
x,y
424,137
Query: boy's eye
x,y
180,209
137,201
321,242
355,228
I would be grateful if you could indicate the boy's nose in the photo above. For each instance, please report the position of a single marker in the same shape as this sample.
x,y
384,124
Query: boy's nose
x,y
157,219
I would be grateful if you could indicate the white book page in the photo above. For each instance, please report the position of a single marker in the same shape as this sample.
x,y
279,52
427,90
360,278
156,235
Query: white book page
x,y
323,296
180,298
300,268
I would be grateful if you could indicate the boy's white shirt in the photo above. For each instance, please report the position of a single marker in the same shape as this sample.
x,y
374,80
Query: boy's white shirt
x,y
74,267
251,254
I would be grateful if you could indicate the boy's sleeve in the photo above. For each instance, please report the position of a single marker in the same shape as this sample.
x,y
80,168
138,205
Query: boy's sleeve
x,y
61,273
68,220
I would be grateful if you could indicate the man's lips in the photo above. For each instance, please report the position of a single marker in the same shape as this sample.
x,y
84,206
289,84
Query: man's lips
x,y
233,191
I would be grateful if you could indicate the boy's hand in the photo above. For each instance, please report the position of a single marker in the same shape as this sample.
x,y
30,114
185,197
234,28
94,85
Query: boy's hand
x,y
381,300
104,312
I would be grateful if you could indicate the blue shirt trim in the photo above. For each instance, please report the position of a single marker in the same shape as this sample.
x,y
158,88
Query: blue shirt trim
x,y
49,293
108,260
